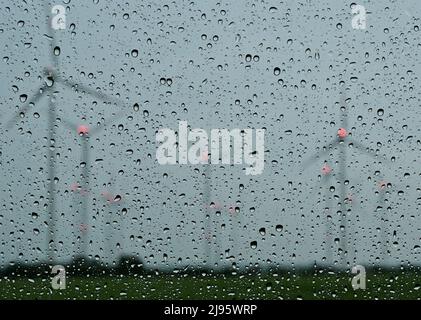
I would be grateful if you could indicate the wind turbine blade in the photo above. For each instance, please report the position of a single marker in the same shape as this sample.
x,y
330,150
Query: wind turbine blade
x,y
102,126
316,188
366,150
85,175
78,86
35,98
69,125
326,149
343,104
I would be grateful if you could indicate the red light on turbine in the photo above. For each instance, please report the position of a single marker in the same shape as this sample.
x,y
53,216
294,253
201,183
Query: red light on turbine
x,y
342,133
350,198
108,196
83,227
326,169
74,186
382,185
82,130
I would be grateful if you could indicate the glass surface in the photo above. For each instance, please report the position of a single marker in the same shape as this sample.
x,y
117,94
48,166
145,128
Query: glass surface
x,y
330,209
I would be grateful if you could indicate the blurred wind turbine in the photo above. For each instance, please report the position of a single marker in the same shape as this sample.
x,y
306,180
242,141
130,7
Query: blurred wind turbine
x,y
84,133
326,182
51,78
46,89
112,202
341,143
208,234
234,212
383,188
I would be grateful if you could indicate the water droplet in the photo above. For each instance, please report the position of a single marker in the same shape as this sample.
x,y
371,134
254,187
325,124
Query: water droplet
x,y
135,53
57,51
23,97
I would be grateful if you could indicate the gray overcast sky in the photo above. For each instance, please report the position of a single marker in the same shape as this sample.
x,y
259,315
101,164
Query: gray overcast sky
x,y
221,57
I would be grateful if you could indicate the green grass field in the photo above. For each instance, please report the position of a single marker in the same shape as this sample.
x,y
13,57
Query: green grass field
x,y
380,285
